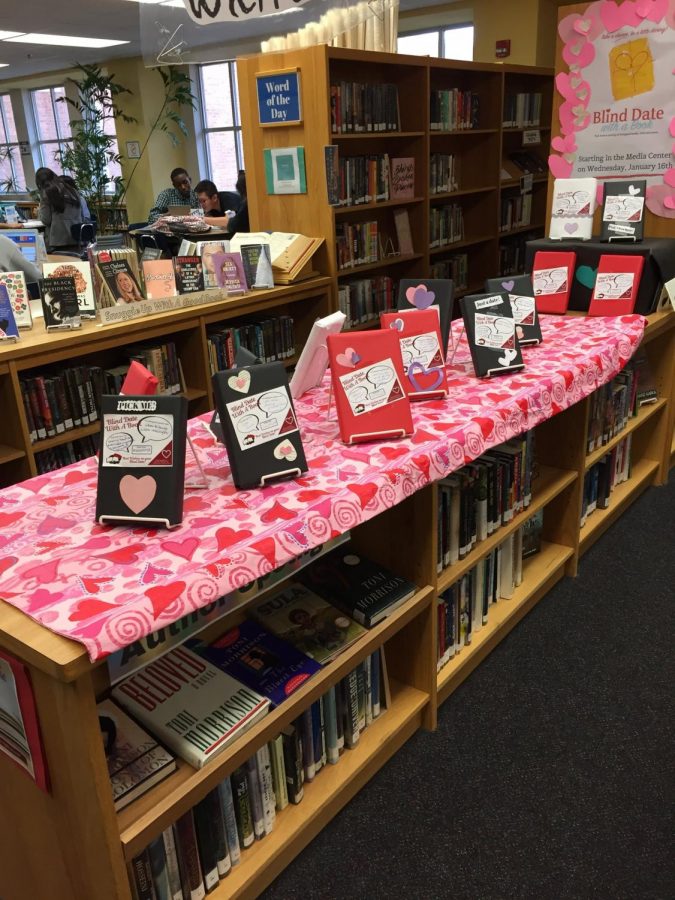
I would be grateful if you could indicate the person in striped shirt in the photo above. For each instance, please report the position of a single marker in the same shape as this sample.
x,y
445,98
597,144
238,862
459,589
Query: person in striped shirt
x,y
181,194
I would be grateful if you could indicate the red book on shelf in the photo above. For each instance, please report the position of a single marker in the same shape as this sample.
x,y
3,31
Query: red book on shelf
x,y
368,383
139,380
552,275
616,285
419,336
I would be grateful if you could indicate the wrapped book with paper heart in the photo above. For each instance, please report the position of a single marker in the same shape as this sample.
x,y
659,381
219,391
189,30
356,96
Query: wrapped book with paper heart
x,y
141,466
419,337
259,424
521,295
491,333
425,293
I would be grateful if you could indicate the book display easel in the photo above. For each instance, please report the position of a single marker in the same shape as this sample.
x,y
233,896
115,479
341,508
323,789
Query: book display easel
x,y
448,118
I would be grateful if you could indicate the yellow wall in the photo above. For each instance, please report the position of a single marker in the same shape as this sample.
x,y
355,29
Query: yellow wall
x,y
496,20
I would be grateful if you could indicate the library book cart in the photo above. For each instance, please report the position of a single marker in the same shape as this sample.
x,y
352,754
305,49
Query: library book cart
x,y
69,843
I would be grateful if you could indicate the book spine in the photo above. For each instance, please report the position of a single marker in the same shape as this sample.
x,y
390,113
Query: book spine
x,y
62,401
293,764
229,820
266,787
308,758
317,736
172,868
276,747
36,409
158,867
242,808
375,682
143,887
352,730
210,833
28,413
43,401
330,707
188,857
255,797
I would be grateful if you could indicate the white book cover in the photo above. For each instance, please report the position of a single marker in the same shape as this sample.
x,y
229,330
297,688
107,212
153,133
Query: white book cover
x,y
19,298
194,708
84,283
574,201
313,361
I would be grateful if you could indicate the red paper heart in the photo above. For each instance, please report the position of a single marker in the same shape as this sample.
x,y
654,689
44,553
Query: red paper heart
x,y
267,548
276,511
365,492
164,595
185,549
89,608
226,537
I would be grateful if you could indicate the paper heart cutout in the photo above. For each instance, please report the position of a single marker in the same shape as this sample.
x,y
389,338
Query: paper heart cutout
x,y
348,359
669,202
397,324
241,382
583,26
417,368
560,168
507,358
571,227
185,549
632,190
564,144
508,285
163,596
586,275
137,493
660,200
520,334
668,177
285,450
422,298
599,193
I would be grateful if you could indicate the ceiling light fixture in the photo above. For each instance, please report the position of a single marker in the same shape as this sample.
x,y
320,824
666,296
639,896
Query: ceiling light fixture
x,y
62,40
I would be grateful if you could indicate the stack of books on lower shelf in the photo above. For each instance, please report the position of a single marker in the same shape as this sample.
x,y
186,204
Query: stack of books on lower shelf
x,y
65,454
446,225
271,338
464,608
455,267
363,300
61,401
613,404
600,480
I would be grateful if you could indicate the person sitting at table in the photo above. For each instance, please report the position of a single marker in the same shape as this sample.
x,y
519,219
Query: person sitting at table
x,y
62,207
181,194
239,221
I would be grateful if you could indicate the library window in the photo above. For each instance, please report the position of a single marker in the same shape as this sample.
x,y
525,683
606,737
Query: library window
x,y
455,42
52,125
220,123
12,177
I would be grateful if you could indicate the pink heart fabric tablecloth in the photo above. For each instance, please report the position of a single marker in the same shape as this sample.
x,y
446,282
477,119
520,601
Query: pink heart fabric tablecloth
x,y
110,586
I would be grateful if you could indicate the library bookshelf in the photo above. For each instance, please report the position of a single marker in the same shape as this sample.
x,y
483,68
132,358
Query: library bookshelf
x,y
485,179
85,847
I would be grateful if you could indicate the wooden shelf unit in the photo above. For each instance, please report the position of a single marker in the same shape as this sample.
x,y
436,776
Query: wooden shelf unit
x,y
39,352
478,152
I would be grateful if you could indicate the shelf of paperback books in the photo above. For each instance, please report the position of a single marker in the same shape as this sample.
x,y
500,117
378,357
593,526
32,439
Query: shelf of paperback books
x,y
540,573
644,414
297,825
147,817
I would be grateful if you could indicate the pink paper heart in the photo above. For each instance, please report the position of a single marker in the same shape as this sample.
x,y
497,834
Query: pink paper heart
x,y
559,167
580,53
508,285
583,26
571,227
397,324
671,127
669,177
669,202
564,144
614,17
422,298
657,195
137,493
599,193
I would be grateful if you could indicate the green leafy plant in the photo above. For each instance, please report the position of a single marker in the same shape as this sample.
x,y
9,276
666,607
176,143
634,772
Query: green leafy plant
x,y
9,184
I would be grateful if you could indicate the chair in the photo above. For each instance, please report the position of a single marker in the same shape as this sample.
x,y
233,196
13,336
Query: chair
x,y
83,235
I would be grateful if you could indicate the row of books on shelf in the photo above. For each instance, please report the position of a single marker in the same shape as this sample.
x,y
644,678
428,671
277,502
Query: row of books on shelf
x,y
363,179
515,212
357,107
522,110
464,608
527,162
512,255
446,225
364,299
614,403
356,243
454,110
476,500
601,479
191,857
270,339
65,454
455,267
443,173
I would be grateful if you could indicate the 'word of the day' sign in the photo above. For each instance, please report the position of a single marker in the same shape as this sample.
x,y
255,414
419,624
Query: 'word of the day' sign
x,y
279,98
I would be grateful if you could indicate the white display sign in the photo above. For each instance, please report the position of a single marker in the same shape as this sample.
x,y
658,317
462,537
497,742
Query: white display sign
x,y
203,12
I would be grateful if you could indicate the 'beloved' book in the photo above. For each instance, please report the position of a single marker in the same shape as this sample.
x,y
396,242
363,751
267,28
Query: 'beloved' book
x,y
616,285
623,204
552,274
365,590
193,707
491,334
259,659
135,760
307,621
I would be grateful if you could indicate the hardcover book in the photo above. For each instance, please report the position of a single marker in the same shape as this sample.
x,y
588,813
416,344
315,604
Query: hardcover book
x,y
259,425
307,621
552,274
572,208
313,360
491,334
121,281
419,337
160,279
8,327
403,232
141,466
366,591
230,272
189,274
15,282
84,284
59,302
368,385
402,182
623,204
521,296
193,707
422,293
135,760
257,263
207,251
616,285
259,659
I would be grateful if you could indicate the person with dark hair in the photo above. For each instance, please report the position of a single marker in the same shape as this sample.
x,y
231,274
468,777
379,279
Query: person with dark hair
x,y
217,205
61,207
181,194
239,221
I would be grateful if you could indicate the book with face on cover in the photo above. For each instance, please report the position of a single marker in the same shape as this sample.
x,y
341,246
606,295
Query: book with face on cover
x,y
572,208
623,205
419,336
422,293
160,278
136,762
491,334
59,302
309,622
121,281
552,274
259,424
15,282
84,284
194,708
368,385
616,285
523,304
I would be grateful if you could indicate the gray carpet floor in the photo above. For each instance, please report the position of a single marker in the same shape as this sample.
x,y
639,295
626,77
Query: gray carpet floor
x,y
551,773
